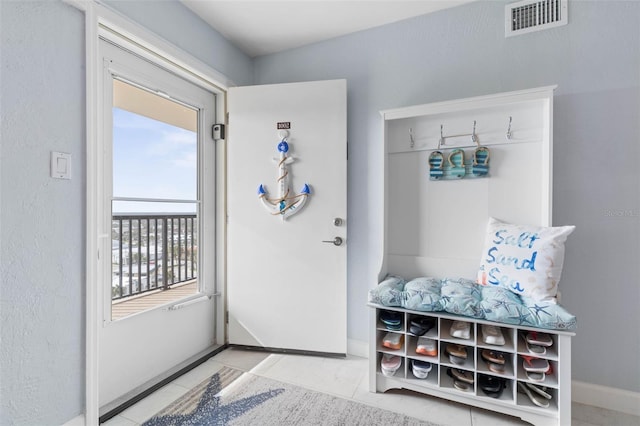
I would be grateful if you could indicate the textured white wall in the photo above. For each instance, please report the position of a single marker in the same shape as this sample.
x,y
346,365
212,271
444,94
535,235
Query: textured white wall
x,y
462,52
43,220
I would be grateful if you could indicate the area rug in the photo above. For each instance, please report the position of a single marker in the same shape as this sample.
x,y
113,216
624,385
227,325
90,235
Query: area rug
x,y
232,397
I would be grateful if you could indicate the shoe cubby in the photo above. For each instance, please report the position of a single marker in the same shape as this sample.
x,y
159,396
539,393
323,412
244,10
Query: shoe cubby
x,y
523,400
550,378
445,332
430,380
507,333
550,352
506,395
445,355
484,366
412,344
382,335
399,373
451,383
438,382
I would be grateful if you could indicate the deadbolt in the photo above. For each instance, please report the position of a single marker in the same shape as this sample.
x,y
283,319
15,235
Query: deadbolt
x,y
337,221
337,241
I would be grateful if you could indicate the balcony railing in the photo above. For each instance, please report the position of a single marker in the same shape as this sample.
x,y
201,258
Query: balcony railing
x,y
152,251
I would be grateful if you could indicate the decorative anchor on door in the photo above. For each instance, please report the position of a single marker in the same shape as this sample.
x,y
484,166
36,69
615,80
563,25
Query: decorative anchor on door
x,y
285,205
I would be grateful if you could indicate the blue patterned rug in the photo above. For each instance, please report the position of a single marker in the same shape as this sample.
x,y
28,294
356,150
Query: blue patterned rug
x,y
231,397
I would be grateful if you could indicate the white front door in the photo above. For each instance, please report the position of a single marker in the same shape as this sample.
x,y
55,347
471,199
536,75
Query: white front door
x,y
286,281
157,224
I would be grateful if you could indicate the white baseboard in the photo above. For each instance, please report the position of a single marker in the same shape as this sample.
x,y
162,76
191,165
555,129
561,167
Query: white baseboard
x,y
76,421
605,397
358,348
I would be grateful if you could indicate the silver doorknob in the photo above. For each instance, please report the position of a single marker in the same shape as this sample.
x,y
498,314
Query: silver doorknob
x,y
337,241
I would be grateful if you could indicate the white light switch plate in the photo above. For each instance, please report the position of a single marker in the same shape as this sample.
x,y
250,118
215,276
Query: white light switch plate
x,y
60,165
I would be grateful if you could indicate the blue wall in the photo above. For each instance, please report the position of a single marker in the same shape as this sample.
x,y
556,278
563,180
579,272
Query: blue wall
x,y
42,244
462,52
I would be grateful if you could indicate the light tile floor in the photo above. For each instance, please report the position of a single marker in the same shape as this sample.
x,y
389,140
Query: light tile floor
x,y
346,378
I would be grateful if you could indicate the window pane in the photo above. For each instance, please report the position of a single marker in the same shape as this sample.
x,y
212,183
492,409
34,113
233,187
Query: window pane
x,y
152,252
154,146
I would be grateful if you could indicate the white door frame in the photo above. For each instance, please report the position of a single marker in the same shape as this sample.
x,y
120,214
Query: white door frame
x,y
100,20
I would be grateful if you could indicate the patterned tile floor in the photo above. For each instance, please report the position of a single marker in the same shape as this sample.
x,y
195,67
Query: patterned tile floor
x,y
347,378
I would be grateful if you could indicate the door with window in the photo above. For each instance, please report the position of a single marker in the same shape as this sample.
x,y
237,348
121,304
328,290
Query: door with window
x,y
158,180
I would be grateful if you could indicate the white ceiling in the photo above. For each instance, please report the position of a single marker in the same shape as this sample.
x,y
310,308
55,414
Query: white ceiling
x,y
260,27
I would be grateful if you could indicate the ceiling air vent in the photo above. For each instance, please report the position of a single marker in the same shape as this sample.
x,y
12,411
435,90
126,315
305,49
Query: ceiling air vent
x,y
534,15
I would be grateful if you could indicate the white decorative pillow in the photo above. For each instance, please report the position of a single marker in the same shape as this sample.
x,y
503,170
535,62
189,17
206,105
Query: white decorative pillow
x,y
524,259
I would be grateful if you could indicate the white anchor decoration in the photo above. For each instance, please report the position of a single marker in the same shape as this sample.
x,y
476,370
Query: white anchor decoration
x,y
285,205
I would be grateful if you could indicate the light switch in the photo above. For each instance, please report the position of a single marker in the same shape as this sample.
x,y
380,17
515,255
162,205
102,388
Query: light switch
x,y
60,165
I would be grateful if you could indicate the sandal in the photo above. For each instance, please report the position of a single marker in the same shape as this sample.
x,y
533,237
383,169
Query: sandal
x,y
535,365
540,390
460,329
392,320
436,160
390,364
535,377
426,346
540,339
538,400
460,375
492,386
456,160
492,335
480,161
421,325
457,350
536,349
393,340
493,356
420,369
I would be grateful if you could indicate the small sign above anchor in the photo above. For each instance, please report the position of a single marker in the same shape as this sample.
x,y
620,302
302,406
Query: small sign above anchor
x,y
286,204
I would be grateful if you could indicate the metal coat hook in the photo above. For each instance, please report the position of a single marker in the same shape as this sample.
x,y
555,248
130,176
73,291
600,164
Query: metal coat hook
x,y
412,142
509,129
474,138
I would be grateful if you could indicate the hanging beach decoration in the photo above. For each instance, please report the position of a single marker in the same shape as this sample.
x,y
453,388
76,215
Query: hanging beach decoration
x,y
286,204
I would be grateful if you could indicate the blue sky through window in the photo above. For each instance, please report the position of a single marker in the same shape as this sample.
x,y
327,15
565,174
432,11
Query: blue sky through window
x,y
153,159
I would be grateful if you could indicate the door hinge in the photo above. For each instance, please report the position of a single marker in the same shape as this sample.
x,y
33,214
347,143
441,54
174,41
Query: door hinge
x,y
226,317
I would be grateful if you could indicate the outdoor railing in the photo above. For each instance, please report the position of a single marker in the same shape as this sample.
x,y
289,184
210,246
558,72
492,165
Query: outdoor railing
x,y
152,251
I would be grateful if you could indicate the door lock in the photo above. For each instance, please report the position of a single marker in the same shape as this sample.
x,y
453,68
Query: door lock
x,y
337,241
337,221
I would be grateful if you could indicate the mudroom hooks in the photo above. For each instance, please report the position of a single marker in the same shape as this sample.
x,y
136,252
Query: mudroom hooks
x,y
442,140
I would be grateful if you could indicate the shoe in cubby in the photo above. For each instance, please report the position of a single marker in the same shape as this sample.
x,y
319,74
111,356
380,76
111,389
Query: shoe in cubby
x,y
460,330
492,335
426,346
420,325
491,386
389,364
393,340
